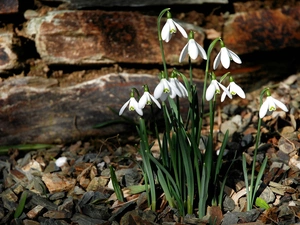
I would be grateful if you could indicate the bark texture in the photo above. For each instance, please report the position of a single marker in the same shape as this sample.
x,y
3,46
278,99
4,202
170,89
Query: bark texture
x,y
263,30
100,37
37,110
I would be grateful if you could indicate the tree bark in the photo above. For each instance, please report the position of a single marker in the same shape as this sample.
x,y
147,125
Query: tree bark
x,y
263,30
101,37
37,110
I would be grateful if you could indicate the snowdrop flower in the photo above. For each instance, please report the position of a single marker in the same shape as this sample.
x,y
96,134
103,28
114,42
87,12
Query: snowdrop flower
x,y
170,28
132,105
270,105
214,88
224,56
147,99
179,88
233,89
164,89
192,48
61,161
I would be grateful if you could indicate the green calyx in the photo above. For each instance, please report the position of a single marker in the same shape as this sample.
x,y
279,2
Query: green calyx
x,y
191,35
169,15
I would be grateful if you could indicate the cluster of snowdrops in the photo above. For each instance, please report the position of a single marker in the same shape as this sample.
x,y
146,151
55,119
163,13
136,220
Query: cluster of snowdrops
x,y
185,174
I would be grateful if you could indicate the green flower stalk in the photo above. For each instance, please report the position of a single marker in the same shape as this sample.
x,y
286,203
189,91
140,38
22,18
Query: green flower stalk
x,y
269,104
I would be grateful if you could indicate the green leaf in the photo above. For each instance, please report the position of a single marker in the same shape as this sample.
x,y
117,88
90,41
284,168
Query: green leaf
x,y
259,202
21,205
116,185
24,147
135,189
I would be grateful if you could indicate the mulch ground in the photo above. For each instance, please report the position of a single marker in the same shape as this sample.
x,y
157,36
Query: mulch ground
x,y
81,191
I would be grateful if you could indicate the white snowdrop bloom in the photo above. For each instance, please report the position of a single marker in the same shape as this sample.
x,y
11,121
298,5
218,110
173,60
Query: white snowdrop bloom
x,y
193,49
233,89
180,89
224,56
214,88
147,99
60,161
132,105
170,28
164,89
270,105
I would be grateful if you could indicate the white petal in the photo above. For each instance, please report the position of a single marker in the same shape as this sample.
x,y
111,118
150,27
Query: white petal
x,y
172,27
155,101
158,90
165,33
193,49
201,51
235,57
225,90
183,53
174,83
263,109
280,105
237,89
123,107
139,111
182,31
134,104
143,100
225,60
217,61
183,90
164,96
271,103
210,92
223,96
173,91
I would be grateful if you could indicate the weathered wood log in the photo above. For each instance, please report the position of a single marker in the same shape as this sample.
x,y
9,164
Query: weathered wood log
x,y
37,110
134,3
97,37
8,58
263,30
9,6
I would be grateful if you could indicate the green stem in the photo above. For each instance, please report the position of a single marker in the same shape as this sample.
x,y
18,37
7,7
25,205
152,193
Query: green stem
x,y
252,191
160,40
210,48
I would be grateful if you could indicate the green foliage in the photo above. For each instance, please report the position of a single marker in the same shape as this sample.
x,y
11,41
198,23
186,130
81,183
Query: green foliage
x,y
259,202
189,177
20,207
116,185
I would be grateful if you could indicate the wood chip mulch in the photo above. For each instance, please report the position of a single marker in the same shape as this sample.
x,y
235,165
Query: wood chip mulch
x,y
80,191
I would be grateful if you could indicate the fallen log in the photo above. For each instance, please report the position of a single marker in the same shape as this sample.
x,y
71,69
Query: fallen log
x,y
134,3
263,30
37,110
101,37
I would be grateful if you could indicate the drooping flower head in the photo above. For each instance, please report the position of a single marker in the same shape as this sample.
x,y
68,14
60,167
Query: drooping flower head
x,y
164,89
270,105
224,56
147,99
170,28
192,48
179,88
214,88
132,105
233,89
